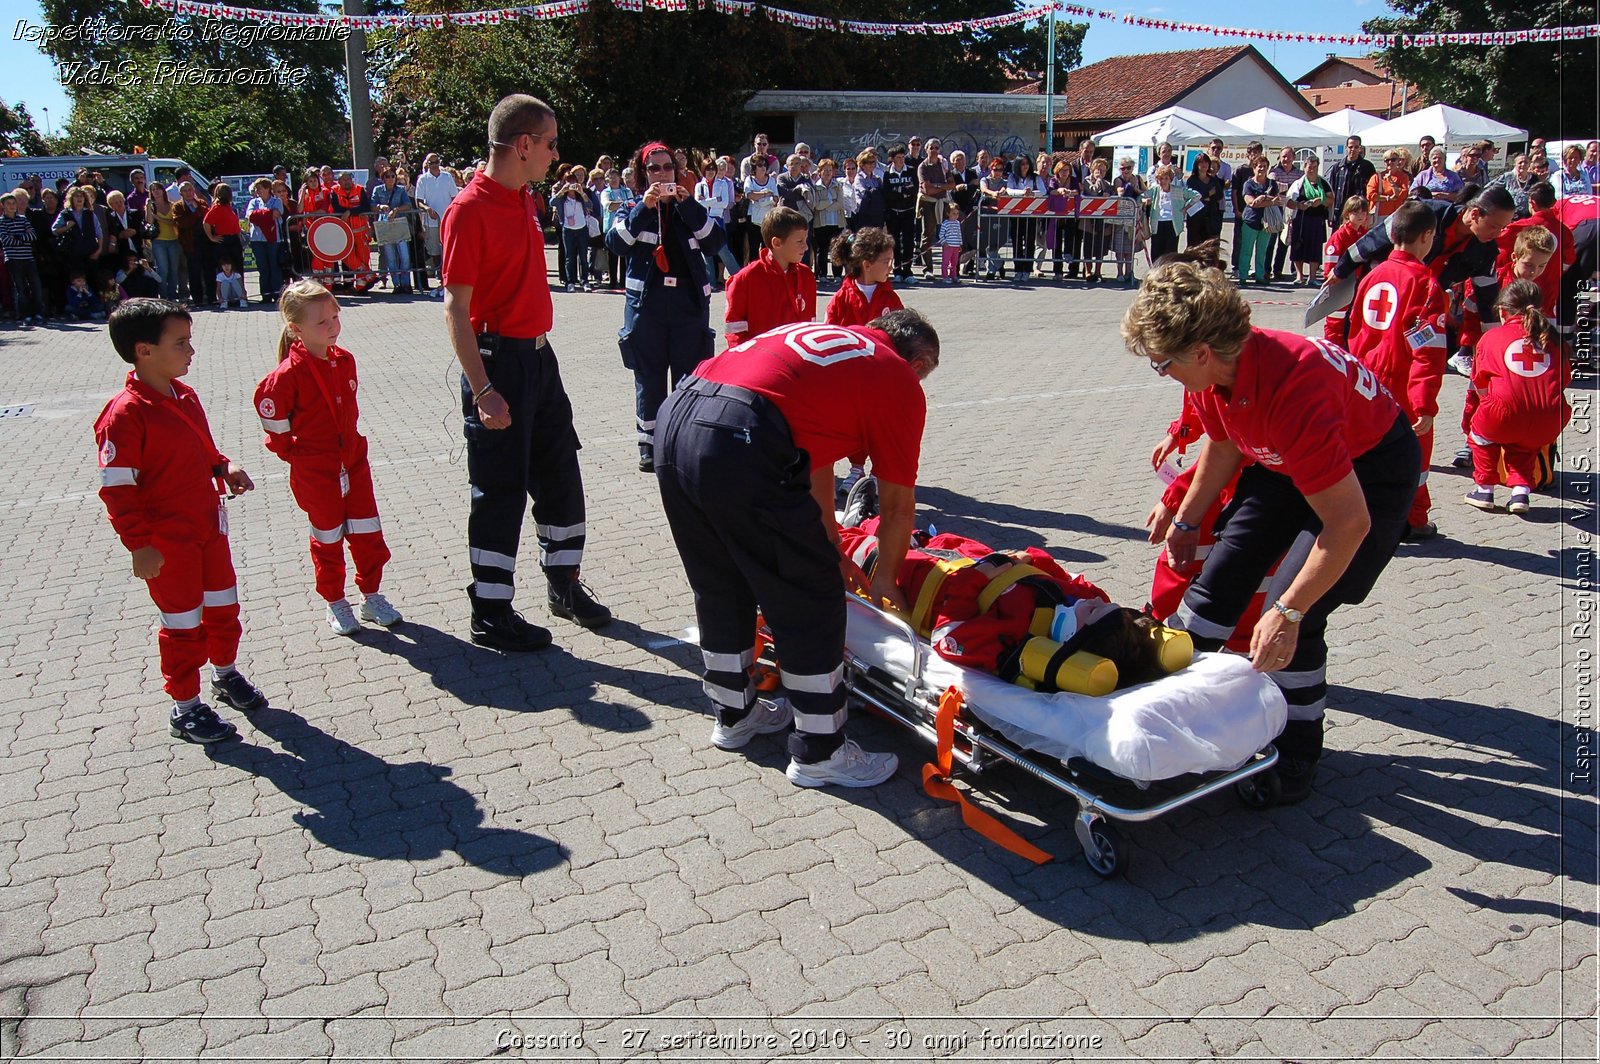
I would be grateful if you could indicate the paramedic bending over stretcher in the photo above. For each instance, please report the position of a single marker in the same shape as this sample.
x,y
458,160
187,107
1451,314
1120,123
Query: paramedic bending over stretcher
x,y
744,454
1334,457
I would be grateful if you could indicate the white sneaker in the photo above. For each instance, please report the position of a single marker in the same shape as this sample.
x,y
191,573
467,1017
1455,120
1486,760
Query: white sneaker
x,y
850,479
379,610
342,619
1461,362
850,766
764,718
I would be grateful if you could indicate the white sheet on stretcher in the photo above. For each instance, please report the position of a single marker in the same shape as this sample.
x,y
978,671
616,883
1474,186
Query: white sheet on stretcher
x,y
1211,717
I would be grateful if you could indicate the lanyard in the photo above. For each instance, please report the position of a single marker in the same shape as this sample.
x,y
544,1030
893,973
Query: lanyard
x,y
204,433
322,386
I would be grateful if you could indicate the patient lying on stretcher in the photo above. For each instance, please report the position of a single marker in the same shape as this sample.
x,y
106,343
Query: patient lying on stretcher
x,y
1021,616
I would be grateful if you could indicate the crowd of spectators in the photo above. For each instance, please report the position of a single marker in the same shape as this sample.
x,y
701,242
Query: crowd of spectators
x,y
73,250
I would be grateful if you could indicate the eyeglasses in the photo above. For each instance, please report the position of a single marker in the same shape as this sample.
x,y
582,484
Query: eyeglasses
x,y
553,141
1163,366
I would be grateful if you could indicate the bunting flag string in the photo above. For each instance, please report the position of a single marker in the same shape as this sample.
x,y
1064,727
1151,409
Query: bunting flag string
x,y
801,20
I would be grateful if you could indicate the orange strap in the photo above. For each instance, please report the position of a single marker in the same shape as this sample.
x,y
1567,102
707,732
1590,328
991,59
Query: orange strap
x,y
766,676
936,781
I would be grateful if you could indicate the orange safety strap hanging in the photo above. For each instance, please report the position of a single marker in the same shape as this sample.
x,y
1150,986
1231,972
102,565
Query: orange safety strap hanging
x,y
936,781
766,676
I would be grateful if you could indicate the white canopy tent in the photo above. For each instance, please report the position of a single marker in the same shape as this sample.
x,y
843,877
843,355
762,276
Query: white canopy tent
x,y
1450,127
1177,126
1277,129
1346,121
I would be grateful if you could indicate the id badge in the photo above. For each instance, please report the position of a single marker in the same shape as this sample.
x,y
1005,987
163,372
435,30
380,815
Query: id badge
x,y
344,483
1420,337
222,516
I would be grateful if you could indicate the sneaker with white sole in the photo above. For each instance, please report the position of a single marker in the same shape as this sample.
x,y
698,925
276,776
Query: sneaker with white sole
x,y
1518,504
851,479
1461,362
764,718
850,766
200,724
1482,498
342,619
379,610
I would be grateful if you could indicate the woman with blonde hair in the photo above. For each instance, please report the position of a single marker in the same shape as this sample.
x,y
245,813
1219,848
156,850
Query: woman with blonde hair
x,y
1332,465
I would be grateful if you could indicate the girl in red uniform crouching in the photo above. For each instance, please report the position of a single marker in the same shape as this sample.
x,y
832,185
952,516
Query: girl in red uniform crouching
x,y
867,258
1517,405
308,407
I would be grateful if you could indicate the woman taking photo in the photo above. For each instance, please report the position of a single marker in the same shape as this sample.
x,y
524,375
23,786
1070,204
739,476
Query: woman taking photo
x,y
1333,460
1205,223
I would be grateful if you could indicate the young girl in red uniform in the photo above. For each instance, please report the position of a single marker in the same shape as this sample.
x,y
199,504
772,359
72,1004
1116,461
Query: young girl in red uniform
x,y
866,293
1517,405
1353,219
308,407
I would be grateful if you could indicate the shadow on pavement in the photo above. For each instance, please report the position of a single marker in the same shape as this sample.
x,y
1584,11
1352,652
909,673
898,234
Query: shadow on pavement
x,y
552,678
1007,527
361,804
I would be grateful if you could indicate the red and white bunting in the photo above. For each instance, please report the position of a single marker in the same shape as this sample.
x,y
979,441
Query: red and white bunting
x,y
802,20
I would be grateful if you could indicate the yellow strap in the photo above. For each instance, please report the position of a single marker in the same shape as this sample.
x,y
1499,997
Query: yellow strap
x,y
921,613
999,585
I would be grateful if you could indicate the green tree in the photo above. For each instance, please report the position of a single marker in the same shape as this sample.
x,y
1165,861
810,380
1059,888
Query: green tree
x,y
129,91
616,77
17,131
1031,54
1547,88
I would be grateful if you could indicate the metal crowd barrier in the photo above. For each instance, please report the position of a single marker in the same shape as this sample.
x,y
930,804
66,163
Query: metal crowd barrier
x,y
1034,232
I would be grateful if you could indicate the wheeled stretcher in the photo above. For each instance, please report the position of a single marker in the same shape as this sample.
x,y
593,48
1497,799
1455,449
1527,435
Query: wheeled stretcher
x,y
1131,756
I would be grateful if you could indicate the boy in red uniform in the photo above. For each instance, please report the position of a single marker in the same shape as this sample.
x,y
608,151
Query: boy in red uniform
x,y
1518,404
161,478
1354,219
1397,331
777,288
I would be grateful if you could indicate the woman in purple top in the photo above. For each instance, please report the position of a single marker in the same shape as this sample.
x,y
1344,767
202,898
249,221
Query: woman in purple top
x,y
1441,182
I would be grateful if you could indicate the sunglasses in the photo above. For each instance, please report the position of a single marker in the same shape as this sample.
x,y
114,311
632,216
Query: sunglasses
x,y
1163,366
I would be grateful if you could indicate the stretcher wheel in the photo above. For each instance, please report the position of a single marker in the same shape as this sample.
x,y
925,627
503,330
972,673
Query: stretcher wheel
x,y
1102,847
1260,791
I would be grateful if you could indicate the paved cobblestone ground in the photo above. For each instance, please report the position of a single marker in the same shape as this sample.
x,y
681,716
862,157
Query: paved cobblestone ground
x,y
424,850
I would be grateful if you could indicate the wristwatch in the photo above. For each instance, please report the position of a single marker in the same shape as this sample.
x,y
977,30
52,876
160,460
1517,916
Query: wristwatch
x,y
1290,614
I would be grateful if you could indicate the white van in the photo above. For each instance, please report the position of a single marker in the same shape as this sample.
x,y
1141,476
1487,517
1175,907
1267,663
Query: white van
x,y
115,167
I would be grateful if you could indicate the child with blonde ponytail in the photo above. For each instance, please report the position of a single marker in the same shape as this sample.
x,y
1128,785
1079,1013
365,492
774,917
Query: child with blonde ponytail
x,y
307,406
1516,403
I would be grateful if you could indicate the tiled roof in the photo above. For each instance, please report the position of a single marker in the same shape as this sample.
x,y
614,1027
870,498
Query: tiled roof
x,y
1367,64
1382,101
1127,86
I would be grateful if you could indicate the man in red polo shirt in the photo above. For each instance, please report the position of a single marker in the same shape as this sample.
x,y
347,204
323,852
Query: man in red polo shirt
x,y
520,438
744,455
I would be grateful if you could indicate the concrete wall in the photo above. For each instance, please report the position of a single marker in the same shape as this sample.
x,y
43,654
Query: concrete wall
x,y
839,127
1244,86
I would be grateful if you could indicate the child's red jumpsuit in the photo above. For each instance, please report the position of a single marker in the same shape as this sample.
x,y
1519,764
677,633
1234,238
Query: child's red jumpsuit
x,y
1397,331
1340,240
307,406
160,478
850,306
1517,404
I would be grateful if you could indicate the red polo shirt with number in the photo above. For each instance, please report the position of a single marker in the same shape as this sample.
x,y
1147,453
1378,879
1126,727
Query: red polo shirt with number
x,y
842,391
493,242
1299,406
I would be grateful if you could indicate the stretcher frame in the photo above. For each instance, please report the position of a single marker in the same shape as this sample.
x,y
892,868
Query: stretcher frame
x,y
977,748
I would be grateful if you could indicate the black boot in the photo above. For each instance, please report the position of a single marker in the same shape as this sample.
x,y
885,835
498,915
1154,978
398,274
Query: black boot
x,y
570,600
497,625
1299,750
647,458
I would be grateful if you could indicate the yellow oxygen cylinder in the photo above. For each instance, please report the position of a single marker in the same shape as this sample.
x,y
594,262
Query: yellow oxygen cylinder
x,y
1046,662
1023,681
1174,646
1042,620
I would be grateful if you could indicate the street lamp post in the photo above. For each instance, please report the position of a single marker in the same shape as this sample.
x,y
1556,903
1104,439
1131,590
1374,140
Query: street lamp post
x,y
49,130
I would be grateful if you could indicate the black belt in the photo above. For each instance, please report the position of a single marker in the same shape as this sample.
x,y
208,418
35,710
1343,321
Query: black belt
x,y
491,344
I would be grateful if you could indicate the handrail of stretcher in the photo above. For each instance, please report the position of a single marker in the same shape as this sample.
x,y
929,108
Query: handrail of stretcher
x,y
1088,800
